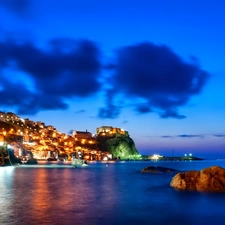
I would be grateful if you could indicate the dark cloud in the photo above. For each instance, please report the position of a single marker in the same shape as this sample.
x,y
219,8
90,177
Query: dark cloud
x,y
219,135
190,136
166,136
171,113
149,77
66,69
110,110
18,96
14,94
16,6
183,136
158,76
143,108
80,111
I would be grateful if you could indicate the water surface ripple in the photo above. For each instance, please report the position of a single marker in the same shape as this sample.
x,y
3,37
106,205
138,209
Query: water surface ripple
x,y
56,193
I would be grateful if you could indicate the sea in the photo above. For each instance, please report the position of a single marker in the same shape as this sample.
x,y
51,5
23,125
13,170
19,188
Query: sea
x,y
105,193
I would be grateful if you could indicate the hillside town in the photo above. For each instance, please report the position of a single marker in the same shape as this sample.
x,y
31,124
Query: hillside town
x,y
45,142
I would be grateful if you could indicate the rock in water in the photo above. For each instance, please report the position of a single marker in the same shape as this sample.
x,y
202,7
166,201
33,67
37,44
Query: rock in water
x,y
158,169
32,161
210,179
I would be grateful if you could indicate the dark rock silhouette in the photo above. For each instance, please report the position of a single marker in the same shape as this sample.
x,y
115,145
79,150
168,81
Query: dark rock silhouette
x,y
31,160
158,169
210,179
12,158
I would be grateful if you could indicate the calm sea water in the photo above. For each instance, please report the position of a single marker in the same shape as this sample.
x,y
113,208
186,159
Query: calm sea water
x,y
55,193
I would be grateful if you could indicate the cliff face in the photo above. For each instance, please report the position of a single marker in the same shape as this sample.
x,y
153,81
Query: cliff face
x,y
122,147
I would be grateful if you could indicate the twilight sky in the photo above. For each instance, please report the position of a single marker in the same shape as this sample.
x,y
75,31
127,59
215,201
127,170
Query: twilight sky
x,y
153,68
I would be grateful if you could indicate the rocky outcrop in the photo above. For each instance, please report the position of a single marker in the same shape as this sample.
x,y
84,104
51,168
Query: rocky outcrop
x,y
211,179
120,147
158,169
13,160
32,161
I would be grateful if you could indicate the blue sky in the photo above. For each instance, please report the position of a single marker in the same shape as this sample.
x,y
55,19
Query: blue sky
x,y
153,68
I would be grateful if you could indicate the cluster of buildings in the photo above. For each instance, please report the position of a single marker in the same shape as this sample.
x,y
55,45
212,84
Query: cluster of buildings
x,y
47,143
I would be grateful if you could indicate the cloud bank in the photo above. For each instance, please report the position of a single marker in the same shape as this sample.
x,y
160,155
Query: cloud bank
x,y
66,69
189,136
151,78
158,76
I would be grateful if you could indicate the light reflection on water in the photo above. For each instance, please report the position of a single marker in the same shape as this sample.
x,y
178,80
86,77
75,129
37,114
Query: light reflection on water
x,y
56,193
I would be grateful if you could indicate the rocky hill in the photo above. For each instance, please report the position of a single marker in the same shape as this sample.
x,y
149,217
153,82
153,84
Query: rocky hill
x,y
122,147
47,142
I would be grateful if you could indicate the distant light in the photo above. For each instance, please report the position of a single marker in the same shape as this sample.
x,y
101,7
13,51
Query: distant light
x,y
155,157
185,154
190,154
